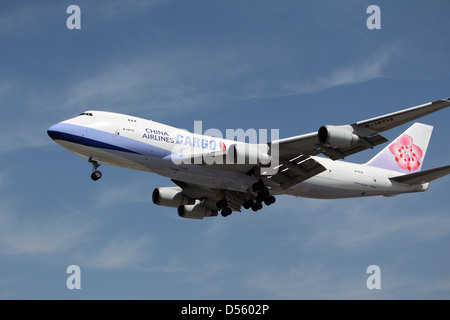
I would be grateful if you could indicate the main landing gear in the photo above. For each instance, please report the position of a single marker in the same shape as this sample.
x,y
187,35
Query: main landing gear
x,y
263,195
223,205
259,194
95,173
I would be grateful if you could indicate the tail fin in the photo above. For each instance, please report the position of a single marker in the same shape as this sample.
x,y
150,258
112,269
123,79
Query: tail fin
x,y
406,153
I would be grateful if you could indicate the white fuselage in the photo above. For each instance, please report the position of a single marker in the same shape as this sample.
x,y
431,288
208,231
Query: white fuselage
x,y
140,144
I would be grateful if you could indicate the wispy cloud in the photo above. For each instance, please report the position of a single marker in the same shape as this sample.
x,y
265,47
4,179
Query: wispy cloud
x,y
116,8
182,78
309,281
65,231
69,234
363,224
22,20
23,236
319,281
113,195
25,233
187,79
5,87
126,253
369,69
435,288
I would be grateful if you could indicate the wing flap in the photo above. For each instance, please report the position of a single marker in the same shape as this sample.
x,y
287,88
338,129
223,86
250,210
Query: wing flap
x,y
296,170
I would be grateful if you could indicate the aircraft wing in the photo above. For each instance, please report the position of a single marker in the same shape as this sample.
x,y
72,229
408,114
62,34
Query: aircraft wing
x,y
392,120
352,138
338,142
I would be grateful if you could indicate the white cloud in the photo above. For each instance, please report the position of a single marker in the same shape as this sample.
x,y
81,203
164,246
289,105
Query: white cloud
x,y
309,281
328,281
362,223
136,192
369,69
189,77
67,232
183,78
5,87
22,20
434,288
120,254
116,8
21,235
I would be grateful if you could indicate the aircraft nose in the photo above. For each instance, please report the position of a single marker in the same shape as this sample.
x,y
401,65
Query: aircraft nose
x,y
56,131
64,131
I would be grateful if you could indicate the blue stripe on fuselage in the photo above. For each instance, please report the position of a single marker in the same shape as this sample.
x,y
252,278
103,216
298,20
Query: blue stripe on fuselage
x,y
105,140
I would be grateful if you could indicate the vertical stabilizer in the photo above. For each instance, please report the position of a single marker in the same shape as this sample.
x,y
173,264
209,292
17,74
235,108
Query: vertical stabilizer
x,y
407,152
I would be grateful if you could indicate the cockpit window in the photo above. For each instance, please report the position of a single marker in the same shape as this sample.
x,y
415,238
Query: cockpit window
x,y
86,114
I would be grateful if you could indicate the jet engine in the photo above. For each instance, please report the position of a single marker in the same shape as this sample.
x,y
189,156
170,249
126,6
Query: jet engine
x,y
337,136
196,211
170,197
248,154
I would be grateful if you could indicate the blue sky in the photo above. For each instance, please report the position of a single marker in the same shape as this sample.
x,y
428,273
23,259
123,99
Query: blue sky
x,y
287,65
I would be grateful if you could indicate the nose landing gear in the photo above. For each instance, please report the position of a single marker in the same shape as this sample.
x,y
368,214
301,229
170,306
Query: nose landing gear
x,y
95,173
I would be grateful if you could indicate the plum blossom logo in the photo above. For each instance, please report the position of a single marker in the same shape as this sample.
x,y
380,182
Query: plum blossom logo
x,y
406,153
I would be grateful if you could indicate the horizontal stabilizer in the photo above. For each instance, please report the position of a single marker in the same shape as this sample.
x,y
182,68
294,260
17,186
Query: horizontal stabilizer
x,y
423,176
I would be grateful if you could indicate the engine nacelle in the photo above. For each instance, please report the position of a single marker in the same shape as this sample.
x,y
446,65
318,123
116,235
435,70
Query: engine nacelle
x,y
256,154
170,197
337,136
196,211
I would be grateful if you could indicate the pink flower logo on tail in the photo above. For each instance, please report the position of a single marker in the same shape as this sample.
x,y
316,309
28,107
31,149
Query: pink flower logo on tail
x,y
406,153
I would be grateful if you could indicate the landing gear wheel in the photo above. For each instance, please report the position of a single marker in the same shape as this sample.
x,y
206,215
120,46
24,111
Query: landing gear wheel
x,y
222,204
96,175
248,204
257,206
257,186
226,212
269,200
264,193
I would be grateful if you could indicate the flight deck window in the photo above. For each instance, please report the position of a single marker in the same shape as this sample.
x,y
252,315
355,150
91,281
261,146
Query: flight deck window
x,y
86,114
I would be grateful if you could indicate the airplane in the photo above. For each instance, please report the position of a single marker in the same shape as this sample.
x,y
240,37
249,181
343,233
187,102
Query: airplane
x,y
214,174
